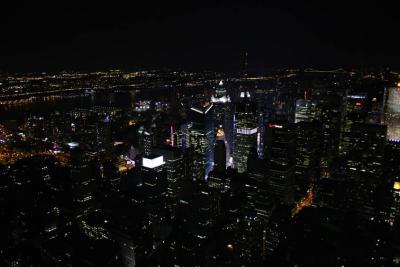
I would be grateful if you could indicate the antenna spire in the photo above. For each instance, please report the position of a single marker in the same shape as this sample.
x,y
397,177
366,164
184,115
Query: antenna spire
x,y
245,63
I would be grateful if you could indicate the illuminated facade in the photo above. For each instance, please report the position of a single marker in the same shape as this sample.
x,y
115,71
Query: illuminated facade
x,y
145,141
200,136
182,136
153,161
395,207
391,113
355,112
174,167
154,186
220,95
82,181
223,115
201,140
305,110
365,162
245,134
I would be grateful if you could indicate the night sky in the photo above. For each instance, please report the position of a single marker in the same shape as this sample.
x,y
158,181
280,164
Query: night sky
x,y
198,35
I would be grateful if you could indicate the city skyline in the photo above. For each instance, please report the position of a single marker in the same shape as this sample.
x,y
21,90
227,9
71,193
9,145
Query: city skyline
x,y
193,134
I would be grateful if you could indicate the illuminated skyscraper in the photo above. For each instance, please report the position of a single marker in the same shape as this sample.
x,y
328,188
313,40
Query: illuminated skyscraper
x,y
280,156
391,113
82,181
256,186
220,95
223,115
174,167
395,207
305,110
200,141
145,141
200,137
182,139
392,174
330,114
246,130
154,186
356,111
365,166
217,180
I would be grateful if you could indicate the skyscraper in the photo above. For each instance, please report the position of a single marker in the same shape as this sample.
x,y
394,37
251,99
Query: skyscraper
x,y
305,110
145,140
391,113
256,188
154,188
220,156
246,130
200,137
200,143
356,111
82,181
174,166
280,156
330,114
308,157
223,115
365,166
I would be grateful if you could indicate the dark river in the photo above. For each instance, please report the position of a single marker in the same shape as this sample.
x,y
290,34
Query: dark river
x,y
41,107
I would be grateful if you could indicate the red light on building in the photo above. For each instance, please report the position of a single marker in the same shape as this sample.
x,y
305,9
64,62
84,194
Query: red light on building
x,y
273,125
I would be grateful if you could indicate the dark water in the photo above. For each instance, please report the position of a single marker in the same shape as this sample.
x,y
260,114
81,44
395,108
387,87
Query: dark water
x,y
41,108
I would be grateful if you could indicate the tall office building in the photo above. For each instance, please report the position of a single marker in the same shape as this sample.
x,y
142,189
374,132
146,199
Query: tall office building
x,y
305,110
182,136
145,140
223,115
395,203
220,95
82,181
200,137
356,112
217,180
280,157
308,157
365,166
200,141
193,221
391,113
245,137
330,114
220,156
392,174
154,186
258,204
174,166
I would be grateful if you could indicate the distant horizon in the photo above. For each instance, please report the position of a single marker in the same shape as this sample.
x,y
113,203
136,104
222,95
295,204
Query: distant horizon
x,y
179,69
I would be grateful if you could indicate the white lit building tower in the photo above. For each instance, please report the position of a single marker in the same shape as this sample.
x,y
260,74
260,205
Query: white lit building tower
x,y
223,116
200,138
245,133
305,110
391,113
